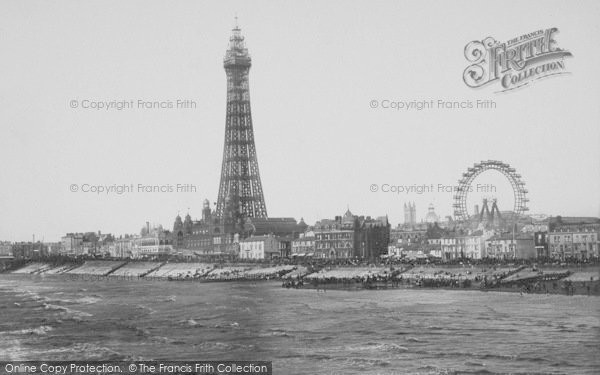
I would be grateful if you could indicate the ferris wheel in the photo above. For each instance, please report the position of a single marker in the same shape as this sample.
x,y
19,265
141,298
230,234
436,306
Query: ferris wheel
x,y
464,187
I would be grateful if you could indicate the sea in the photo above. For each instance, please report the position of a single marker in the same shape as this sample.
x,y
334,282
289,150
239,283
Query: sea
x,y
302,331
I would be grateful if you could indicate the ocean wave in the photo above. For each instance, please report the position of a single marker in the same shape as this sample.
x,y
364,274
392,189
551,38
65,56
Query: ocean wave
x,y
561,364
435,328
504,357
379,347
234,325
161,339
473,363
88,300
216,345
67,313
209,317
275,332
80,351
368,362
50,306
144,307
431,369
435,370
32,296
41,330
190,323
178,342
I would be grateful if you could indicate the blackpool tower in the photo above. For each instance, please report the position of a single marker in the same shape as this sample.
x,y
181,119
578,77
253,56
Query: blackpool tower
x,y
240,190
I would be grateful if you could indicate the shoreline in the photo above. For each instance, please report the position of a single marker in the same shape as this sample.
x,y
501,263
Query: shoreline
x,y
583,280
580,288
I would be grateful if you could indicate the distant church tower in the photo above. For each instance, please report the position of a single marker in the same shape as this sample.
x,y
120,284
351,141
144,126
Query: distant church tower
x,y
410,213
240,190
206,214
178,232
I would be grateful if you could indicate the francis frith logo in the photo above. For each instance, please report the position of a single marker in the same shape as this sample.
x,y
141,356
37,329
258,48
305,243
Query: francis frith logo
x,y
514,63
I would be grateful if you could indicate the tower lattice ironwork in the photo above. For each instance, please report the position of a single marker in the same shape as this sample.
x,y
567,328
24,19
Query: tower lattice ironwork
x,y
240,190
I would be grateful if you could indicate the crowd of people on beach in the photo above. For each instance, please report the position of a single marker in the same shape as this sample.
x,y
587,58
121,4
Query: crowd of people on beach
x,y
526,276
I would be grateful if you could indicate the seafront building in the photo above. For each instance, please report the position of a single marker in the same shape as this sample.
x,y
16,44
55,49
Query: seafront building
x,y
208,237
5,249
29,250
475,244
406,236
351,236
88,243
460,245
338,238
571,237
260,247
304,245
285,246
72,244
212,236
122,247
154,244
540,241
510,246
344,237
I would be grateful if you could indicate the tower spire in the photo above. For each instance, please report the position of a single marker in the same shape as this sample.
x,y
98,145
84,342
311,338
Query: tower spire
x,y
240,189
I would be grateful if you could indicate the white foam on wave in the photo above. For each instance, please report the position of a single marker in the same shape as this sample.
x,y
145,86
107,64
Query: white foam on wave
x,y
369,363
190,323
215,345
82,351
144,307
379,347
88,300
275,332
67,313
49,306
41,330
11,348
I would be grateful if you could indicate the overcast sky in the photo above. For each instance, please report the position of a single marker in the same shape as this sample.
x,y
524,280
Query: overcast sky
x,y
317,65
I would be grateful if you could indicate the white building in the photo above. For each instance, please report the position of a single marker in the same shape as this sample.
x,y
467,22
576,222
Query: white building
x,y
151,245
475,244
260,247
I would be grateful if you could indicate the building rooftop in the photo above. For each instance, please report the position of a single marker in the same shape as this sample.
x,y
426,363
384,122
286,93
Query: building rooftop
x,y
257,238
